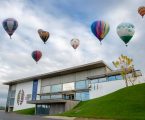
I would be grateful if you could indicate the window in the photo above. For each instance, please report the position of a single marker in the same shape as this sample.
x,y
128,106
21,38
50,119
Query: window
x,y
12,94
56,96
11,102
102,80
82,96
111,78
95,81
81,84
56,88
44,97
68,86
119,77
45,89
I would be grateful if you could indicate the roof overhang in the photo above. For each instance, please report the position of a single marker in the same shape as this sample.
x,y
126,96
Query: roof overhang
x,y
75,69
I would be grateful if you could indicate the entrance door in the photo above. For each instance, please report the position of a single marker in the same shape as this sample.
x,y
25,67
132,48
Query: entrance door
x,y
68,96
42,109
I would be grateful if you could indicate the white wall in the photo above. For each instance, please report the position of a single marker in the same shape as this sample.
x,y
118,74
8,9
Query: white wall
x,y
105,88
27,87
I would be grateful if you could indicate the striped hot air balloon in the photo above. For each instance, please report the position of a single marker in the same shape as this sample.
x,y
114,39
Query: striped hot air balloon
x,y
100,29
141,10
36,55
10,25
44,35
75,43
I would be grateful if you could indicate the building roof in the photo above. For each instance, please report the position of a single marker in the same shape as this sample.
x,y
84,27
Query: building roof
x,y
74,69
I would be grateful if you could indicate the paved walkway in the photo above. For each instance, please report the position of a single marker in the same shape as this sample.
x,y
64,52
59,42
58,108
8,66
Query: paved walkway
x,y
60,117
13,116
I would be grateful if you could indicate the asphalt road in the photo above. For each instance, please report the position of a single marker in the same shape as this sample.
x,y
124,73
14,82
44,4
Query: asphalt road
x,y
13,116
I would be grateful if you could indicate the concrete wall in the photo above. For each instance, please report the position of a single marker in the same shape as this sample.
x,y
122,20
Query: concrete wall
x,y
73,77
70,104
27,88
57,108
104,88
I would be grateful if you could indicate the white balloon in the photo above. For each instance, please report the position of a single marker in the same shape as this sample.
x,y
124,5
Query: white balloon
x,y
75,43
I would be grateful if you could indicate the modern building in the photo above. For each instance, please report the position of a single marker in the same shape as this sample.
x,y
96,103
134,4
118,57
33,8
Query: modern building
x,y
59,91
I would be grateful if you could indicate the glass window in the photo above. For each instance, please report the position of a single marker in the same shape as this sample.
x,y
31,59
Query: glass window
x,y
119,77
68,86
44,97
111,78
81,84
102,79
82,96
56,88
45,89
12,93
56,96
95,81
12,102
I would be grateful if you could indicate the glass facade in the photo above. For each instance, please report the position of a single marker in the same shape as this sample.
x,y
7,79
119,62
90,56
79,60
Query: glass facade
x,y
56,96
45,89
42,109
83,96
119,77
102,79
11,103
81,84
111,78
68,86
44,97
12,94
56,88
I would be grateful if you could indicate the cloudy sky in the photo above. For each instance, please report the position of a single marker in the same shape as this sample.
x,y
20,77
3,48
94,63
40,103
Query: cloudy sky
x,y
66,19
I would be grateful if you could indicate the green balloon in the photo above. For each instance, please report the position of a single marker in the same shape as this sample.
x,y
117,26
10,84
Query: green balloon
x,y
125,31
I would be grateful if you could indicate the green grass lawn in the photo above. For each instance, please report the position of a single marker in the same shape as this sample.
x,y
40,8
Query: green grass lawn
x,y
30,111
124,104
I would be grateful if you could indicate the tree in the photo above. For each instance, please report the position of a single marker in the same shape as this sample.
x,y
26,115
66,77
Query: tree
x,y
125,64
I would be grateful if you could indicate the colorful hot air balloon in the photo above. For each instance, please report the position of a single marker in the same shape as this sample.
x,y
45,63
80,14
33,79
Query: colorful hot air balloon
x,y
75,43
100,29
125,31
10,25
44,35
141,10
36,55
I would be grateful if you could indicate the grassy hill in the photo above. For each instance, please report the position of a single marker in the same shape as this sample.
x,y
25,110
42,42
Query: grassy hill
x,y
124,104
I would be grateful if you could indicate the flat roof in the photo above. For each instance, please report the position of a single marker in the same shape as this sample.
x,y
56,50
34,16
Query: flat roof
x,y
74,69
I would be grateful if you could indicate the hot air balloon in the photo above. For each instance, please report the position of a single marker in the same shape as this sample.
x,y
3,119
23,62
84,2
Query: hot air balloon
x,y
44,35
141,11
10,25
36,55
125,31
75,43
100,29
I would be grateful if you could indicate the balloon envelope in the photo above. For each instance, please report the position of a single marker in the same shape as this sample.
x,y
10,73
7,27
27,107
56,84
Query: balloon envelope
x,y
10,25
141,10
44,35
36,55
100,29
125,31
75,43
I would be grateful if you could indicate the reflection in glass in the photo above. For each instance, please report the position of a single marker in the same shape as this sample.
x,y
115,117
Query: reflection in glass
x,y
56,96
68,86
81,84
83,96
56,88
45,89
